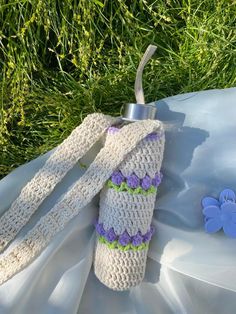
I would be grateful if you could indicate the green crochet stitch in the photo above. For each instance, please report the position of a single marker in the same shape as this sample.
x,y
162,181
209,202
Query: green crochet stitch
x,y
116,245
124,187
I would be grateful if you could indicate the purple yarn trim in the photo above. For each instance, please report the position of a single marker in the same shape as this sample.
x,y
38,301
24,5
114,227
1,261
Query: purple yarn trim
x,y
100,229
149,234
146,182
112,130
154,136
137,239
117,177
157,179
110,235
124,238
133,181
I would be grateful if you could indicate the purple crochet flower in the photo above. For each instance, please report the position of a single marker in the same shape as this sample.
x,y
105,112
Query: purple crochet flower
x,y
137,239
146,182
100,229
157,179
117,177
220,213
124,238
110,235
147,236
133,181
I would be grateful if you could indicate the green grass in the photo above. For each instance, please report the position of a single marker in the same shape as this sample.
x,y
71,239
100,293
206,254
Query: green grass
x,y
61,60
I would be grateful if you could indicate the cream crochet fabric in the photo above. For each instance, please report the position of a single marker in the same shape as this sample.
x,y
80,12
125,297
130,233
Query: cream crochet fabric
x,y
55,168
126,209
117,150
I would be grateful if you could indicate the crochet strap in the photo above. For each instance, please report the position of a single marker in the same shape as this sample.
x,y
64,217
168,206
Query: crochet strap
x,y
59,163
107,160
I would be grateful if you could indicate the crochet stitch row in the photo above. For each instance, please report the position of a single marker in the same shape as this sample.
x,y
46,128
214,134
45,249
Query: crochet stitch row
x,y
124,238
116,245
124,187
133,181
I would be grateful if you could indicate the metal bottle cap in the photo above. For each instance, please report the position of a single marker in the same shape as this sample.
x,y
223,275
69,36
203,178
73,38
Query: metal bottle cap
x,y
135,112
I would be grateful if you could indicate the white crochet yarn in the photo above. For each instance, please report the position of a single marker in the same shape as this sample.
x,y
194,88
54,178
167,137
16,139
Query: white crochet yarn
x,y
59,163
107,160
119,270
125,211
145,159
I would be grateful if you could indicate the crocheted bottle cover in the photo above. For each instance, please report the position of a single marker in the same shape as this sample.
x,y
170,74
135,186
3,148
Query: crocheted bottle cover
x,y
80,194
126,208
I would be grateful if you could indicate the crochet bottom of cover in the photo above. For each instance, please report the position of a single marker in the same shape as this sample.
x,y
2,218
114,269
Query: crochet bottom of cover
x,y
119,270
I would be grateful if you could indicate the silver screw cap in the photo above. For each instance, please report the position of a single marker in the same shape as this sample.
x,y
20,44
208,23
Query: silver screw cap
x,y
135,112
